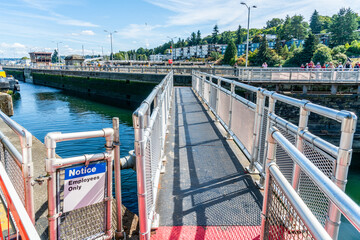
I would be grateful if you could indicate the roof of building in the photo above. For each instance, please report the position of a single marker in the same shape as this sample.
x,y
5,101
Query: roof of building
x,y
74,57
40,53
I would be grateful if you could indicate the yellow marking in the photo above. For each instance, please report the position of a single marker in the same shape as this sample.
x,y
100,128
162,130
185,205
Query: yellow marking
x,y
2,74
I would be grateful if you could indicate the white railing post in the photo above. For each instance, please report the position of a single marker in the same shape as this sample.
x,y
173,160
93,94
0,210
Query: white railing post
x,y
259,114
271,109
232,96
217,103
348,127
270,158
141,178
303,122
119,234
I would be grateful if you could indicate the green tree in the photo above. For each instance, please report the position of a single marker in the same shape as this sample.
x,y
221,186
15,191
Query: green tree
x,y
293,47
322,54
310,46
265,54
192,39
275,22
257,39
298,27
278,46
198,38
215,33
343,26
239,38
285,52
215,55
55,57
315,23
285,31
230,53
326,22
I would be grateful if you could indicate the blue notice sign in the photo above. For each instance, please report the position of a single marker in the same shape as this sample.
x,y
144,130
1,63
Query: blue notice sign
x,y
84,186
82,171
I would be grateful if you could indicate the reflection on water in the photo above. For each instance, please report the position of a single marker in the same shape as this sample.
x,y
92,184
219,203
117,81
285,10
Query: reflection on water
x,y
42,110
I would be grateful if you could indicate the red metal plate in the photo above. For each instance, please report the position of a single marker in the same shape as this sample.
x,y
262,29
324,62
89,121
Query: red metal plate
x,y
207,233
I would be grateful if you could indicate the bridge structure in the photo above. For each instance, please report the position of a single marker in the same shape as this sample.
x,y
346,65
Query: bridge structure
x,y
211,162
305,78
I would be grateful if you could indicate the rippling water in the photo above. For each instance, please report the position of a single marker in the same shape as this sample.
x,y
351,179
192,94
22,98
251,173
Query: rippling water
x,y
42,110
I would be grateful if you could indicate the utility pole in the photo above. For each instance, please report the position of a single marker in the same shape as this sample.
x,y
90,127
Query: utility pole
x,y
248,27
83,51
111,33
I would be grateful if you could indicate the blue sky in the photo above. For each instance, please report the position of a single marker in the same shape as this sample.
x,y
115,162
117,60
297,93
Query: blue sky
x,y
36,25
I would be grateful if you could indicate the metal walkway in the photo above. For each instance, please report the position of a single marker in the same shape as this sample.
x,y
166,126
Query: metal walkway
x,y
204,183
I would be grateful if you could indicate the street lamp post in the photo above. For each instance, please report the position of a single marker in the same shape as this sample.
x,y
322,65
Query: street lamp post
x,y
111,33
248,27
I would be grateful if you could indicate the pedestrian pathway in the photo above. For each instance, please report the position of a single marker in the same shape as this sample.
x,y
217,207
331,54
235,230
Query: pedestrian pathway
x,y
205,192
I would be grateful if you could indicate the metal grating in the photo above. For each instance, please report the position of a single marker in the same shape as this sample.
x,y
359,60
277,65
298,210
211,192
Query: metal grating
x,y
262,144
14,172
314,198
282,220
75,224
283,160
148,173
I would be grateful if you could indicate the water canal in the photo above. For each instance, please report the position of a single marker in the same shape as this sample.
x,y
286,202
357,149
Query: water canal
x,y
42,109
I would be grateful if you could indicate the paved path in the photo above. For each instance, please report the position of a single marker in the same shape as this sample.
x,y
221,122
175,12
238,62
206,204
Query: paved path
x,y
205,185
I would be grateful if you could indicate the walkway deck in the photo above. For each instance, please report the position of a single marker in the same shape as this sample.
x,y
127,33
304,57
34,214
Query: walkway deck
x,y
205,185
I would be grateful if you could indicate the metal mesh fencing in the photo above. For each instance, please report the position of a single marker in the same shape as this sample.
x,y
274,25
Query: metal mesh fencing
x,y
83,223
308,191
283,160
282,219
213,95
148,177
224,107
14,172
243,120
206,92
262,141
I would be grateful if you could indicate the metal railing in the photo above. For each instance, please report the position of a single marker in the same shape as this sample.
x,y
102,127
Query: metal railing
x,y
248,123
23,223
251,75
70,215
285,214
150,124
19,167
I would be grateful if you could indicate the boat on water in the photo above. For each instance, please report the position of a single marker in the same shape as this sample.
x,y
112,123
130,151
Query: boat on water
x,y
8,83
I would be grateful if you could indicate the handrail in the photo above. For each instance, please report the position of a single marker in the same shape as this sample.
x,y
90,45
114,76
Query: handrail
x,y
25,138
303,211
23,221
252,138
147,121
343,202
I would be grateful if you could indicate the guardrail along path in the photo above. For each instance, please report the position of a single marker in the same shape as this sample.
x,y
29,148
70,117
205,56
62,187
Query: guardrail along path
x,y
204,185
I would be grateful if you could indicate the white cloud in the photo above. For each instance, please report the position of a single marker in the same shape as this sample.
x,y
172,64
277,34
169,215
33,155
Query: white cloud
x,y
12,45
232,13
87,32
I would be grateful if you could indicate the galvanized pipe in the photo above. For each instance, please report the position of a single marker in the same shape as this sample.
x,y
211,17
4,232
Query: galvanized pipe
x,y
119,234
348,127
303,122
22,220
310,221
343,202
271,153
109,150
